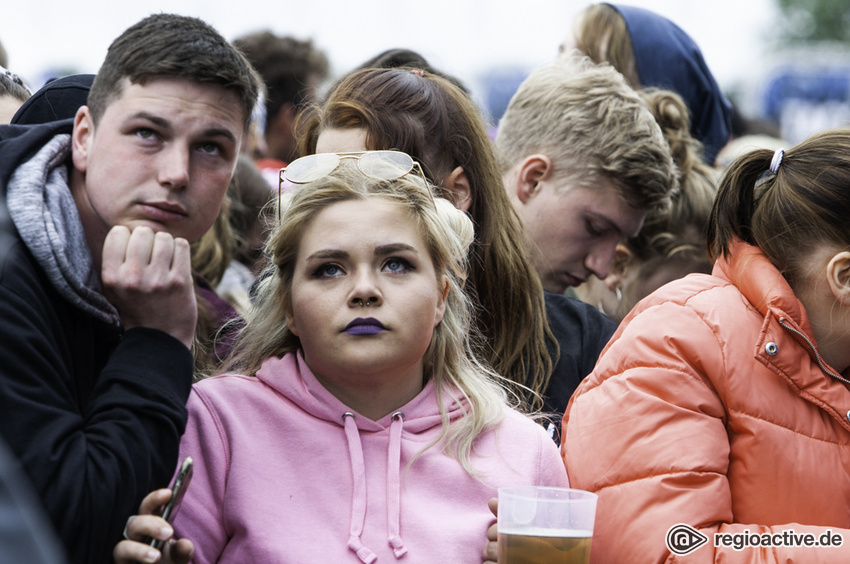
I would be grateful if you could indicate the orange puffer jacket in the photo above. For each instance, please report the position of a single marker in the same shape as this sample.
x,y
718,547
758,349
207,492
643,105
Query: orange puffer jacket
x,y
709,408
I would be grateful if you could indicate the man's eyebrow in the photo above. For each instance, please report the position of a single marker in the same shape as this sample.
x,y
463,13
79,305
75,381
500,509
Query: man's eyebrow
x,y
163,123
609,222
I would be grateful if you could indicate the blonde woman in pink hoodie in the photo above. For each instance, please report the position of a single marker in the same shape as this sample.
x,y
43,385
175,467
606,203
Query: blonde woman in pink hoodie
x,y
355,423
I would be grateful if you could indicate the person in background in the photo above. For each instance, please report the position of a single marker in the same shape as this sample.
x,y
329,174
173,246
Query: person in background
x,y
359,346
543,342
250,221
652,51
292,70
97,308
671,243
721,403
13,94
26,533
583,162
407,58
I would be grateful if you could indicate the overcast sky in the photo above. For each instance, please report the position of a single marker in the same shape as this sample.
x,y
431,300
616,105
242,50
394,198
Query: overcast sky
x,y
466,38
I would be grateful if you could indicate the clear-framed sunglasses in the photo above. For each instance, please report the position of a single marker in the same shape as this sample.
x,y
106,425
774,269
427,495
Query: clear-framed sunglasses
x,y
382,165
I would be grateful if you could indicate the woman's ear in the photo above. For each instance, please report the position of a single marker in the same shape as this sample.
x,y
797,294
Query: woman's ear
x,y
838,277
457,184
440,311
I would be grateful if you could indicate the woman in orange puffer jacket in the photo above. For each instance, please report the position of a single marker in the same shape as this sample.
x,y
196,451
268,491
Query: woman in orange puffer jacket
x,y
716,424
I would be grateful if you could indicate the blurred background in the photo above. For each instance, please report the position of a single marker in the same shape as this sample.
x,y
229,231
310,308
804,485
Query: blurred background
x,y
783,61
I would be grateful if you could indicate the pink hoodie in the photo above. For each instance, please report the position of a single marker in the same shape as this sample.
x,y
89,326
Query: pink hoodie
x,y
282,474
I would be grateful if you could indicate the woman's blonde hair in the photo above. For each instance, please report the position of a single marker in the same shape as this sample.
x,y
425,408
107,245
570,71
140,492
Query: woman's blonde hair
x,y
602,35
452,356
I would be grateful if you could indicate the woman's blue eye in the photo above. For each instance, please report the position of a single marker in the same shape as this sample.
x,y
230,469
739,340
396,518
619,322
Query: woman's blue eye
x,y
328,271
398,265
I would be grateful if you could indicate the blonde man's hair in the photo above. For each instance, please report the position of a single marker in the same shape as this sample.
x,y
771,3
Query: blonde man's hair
x,y
592,125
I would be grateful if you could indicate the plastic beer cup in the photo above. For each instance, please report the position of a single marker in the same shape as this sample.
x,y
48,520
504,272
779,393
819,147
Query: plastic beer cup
x,y
545,525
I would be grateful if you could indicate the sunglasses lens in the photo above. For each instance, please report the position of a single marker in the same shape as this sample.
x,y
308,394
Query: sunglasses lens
x,y
387,165
310,168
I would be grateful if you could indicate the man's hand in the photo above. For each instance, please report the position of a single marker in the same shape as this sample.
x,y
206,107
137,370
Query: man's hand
x,y
148,277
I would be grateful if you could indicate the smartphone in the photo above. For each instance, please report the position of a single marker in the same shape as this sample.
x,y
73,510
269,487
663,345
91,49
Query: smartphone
x,y
178,490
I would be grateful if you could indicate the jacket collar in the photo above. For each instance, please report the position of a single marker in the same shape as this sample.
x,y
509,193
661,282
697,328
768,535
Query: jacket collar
x,y
785,343
762,285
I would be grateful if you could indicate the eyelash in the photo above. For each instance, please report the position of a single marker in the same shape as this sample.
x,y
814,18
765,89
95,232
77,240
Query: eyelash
x,y
406,264
321,270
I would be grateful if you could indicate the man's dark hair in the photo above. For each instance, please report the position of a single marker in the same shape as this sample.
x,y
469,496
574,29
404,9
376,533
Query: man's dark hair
x,y
173,46
286,65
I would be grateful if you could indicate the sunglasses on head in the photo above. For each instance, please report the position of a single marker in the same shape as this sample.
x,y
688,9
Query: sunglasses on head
x,y
381,165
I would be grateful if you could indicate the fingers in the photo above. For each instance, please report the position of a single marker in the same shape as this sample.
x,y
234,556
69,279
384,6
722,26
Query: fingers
x,y
153,502
145,527
138,530
148,277
491,549
130,552
491,552
114,248
181,551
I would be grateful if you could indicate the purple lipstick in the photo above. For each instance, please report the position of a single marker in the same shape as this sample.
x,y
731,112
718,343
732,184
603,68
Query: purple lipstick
x,y
364,326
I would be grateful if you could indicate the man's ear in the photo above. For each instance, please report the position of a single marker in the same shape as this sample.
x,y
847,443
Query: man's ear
x,y
838,277
622,261
532,170
457,185
81,137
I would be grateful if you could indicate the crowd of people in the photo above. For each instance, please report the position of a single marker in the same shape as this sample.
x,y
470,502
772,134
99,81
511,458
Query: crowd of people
x,y
360,311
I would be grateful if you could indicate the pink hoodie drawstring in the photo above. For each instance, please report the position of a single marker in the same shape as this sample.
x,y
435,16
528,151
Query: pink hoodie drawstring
x,y
358,502
394,485
358,473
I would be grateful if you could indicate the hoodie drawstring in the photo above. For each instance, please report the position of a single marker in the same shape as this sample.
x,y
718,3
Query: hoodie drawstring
x,y
394,485
358,501
358,474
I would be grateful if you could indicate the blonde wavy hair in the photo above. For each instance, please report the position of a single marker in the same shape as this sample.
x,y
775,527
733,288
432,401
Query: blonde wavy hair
x,y
592,125
452,359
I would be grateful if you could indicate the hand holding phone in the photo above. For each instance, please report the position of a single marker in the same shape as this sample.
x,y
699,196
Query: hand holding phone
x,y
178,490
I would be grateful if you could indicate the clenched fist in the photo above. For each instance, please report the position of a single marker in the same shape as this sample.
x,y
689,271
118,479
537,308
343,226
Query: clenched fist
x,y
148,277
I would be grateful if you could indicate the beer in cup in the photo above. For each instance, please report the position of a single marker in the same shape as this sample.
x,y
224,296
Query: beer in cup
x,y
545,525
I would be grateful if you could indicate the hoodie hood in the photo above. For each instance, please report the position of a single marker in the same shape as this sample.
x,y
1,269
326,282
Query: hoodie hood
x,y
45,214
419,417
667,57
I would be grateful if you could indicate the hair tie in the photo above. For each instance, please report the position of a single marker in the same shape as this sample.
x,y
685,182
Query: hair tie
x,y
776,160
418,72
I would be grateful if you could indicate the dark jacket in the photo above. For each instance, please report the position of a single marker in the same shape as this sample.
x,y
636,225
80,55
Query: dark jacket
x,y
582,332
93,413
